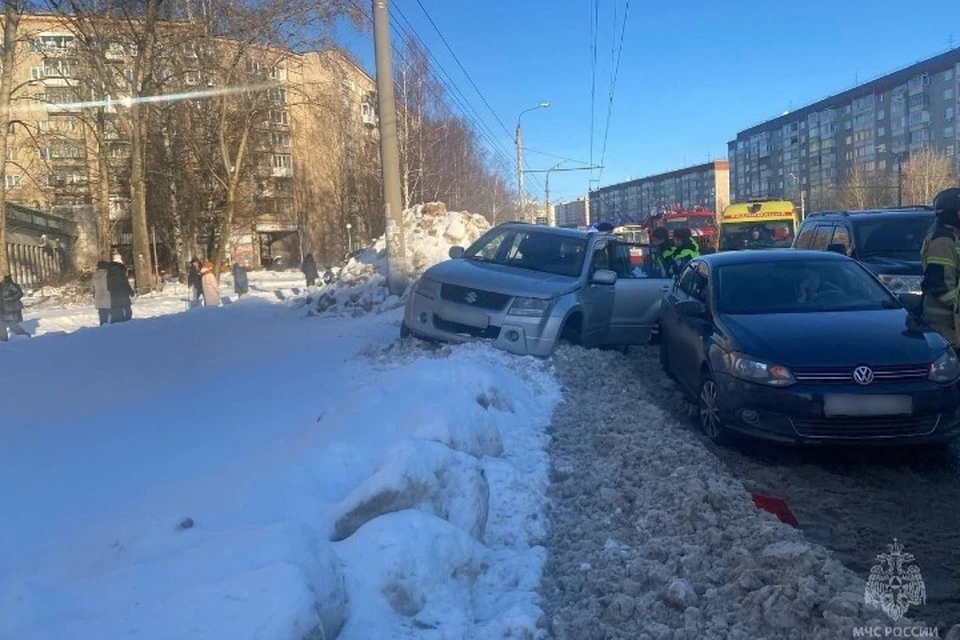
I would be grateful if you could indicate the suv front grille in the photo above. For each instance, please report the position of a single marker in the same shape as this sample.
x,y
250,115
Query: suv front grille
x,y
474,297
488,333
844,375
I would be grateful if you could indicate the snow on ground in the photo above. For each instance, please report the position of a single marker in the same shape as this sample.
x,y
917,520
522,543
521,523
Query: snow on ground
x,y
653,538
431,230
182,477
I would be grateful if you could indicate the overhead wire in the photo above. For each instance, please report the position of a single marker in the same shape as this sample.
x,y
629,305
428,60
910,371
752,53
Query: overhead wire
x,y
613,88
594,33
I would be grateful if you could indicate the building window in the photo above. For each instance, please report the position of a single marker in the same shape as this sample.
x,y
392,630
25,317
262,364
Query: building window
x,y
881,114
282,161
279,139
279,95
191,77
948,132
279,117
882,131
50,43
948,75
951,150
278,73
57,68
948,94
13,181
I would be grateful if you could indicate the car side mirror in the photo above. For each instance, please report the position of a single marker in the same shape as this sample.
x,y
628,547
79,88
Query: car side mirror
x,y
911,302
691,308
837,248
604,276
456,252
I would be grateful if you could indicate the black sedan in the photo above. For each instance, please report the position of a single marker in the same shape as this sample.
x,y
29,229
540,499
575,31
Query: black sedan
x,y
806,347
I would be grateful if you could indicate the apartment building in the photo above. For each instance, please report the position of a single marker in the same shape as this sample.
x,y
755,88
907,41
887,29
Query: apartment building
x,y
318,104
706,185
873,126
575,213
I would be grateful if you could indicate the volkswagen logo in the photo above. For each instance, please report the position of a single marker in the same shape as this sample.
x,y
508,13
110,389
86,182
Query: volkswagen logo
x,y
471,297
863,375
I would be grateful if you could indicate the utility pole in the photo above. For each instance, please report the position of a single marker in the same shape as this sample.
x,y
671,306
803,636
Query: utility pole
x,y
389,152
900,179
546,189
519,141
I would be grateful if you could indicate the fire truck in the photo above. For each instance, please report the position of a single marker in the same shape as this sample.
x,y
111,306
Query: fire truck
x,y
701,222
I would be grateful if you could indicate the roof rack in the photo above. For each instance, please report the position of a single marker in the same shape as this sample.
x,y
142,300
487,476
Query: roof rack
x,y
909,207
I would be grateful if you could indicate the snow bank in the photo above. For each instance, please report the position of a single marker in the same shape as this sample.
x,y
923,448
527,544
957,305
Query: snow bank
x,y
193,493
361,286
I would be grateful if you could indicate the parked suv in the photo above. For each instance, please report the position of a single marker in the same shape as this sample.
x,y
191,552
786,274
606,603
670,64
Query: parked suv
x,y
885,241
523,287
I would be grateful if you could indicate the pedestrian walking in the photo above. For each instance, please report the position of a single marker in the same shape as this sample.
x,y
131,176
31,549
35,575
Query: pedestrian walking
x,y
211,294
121,293
240,282
940,257
309,269
11,308
194,282
101,291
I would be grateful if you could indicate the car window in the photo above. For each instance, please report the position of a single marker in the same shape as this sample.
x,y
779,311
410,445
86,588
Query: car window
x,y
633,261
821,237
897,236
841,236
530,249
805,237
693,281
795,286
601,257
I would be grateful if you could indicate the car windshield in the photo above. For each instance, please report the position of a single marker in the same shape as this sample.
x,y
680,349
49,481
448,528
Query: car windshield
x,y
691,222
775,234
813,286
534,250
900,236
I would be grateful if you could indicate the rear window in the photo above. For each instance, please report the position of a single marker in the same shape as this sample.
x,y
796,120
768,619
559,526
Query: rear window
x,y
898,236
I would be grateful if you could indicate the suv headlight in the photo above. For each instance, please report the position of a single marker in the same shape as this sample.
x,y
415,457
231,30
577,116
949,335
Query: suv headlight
x,y
428,287
752,370
946,368
534,307
901,284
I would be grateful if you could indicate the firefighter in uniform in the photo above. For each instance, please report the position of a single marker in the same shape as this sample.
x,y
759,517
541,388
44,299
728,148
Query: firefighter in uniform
x,y
940,257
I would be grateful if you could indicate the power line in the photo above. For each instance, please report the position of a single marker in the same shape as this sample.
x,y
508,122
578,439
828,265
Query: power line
x,y
613,88
458,96
553,155
594,30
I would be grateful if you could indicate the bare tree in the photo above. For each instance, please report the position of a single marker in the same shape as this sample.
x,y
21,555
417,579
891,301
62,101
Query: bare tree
x,y
863,189
925,174
11,23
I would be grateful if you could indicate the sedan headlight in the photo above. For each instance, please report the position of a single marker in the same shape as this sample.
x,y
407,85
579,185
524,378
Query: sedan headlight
x,y
428,287
901,284
533,307
752,370
946,368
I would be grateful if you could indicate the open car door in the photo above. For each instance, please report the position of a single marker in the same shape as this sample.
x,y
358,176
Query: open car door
x,y
637,295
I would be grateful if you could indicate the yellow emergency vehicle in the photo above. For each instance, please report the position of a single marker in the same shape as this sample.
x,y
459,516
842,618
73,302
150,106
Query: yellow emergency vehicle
x,y
759,224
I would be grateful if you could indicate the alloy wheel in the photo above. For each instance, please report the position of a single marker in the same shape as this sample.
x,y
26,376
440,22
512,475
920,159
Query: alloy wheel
x,y
709,411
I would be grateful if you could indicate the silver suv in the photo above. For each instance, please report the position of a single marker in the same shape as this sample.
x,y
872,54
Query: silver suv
x,y
524,287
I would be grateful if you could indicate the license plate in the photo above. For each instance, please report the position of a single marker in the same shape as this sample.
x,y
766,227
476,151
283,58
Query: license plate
x,y
468,317
856,405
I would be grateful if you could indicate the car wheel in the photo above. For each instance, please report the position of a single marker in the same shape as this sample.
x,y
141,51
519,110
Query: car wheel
x,y
708,410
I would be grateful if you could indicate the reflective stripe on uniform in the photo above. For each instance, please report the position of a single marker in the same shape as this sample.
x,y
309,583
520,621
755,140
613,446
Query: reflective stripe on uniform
x,y
945,262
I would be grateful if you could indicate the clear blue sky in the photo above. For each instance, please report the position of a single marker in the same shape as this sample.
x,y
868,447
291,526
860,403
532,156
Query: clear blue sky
x,y
691,75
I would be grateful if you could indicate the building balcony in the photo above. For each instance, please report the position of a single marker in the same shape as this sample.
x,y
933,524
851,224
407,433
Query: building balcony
x,y
282,172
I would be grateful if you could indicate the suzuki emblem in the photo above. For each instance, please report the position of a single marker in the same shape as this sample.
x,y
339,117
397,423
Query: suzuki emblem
x,y
863,375
471,297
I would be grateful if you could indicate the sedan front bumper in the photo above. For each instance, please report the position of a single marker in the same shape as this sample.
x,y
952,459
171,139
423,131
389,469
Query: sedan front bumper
x,y
452,322
795,414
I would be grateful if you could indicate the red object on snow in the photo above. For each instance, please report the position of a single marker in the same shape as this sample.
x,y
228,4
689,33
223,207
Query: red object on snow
x,y
776,506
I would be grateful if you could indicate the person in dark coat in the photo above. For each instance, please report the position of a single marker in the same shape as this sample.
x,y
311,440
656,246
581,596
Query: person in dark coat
x,y
121,308
11,308
195,282
240,282
309,269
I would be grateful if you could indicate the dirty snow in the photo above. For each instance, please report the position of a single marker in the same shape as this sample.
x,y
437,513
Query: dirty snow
x,y
430,231
653,538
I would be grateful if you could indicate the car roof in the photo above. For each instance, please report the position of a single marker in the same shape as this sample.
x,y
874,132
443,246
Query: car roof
x,y
559,231
870,214
760,256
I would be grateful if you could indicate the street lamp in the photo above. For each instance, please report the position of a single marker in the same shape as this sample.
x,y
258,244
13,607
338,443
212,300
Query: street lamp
x,y
349,238
546,188
519,141
803,202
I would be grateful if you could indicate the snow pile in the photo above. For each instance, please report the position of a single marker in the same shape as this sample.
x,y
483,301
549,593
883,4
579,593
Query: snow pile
x,y
430,231
654,539
70,294
194,491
